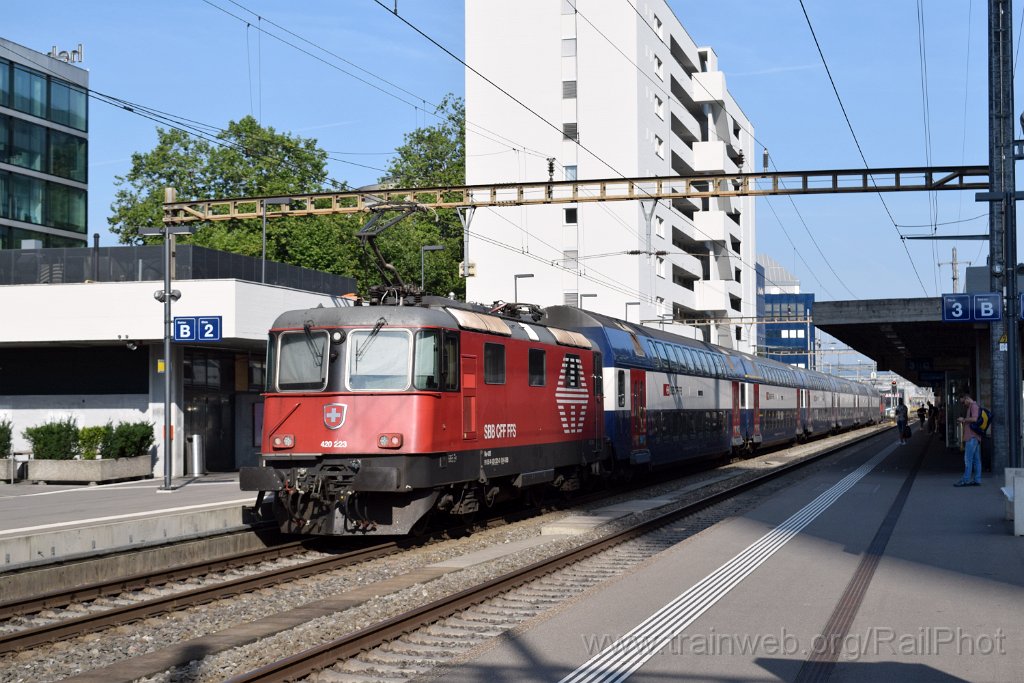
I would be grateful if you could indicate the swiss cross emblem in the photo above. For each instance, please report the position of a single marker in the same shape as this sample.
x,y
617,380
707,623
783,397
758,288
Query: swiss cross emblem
x,y
334,415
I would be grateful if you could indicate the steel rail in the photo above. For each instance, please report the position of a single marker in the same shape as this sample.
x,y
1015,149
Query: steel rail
x,y
320,657
94,622
102,589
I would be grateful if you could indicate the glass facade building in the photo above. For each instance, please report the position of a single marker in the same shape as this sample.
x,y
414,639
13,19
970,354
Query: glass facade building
x,y
44,117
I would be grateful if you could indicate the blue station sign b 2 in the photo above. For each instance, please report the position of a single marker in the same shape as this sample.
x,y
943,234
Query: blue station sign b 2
x,y
198,328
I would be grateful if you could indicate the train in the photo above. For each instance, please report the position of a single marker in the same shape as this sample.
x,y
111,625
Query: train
x,y
379,418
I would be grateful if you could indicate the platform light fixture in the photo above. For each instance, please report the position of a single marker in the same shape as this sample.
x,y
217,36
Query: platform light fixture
x,y
167,296
423,250
271,201
515,284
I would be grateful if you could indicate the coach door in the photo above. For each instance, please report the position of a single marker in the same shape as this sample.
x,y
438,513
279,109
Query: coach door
x,y
598,401
638,408
757,412
469,397
737,437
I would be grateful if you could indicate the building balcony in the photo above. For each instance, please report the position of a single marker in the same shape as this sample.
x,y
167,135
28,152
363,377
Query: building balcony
x,y
715,226
713,157
717,295
709,86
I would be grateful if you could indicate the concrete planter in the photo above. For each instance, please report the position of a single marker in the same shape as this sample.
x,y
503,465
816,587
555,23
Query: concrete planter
x,y
11,469
89,471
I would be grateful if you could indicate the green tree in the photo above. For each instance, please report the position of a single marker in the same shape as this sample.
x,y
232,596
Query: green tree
x,y
430,157
249,160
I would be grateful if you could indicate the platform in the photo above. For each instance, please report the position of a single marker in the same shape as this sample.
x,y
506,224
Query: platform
x,y
875,568
42,524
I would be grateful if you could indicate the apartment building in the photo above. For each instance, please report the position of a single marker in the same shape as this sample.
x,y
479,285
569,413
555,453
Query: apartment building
x,y
588,89
43,149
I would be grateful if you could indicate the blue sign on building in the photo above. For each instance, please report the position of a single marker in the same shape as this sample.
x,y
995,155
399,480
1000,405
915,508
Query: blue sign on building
x,y
956,308
198,329
209,328
184,329
987,307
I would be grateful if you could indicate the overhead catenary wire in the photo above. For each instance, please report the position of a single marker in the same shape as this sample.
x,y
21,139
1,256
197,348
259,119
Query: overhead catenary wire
x,y
856,141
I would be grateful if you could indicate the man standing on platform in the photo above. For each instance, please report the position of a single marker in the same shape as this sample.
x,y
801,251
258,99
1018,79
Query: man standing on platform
x,y
972,443
902,418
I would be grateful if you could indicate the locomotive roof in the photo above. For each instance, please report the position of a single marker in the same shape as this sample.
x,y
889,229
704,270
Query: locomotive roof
x,y
440,312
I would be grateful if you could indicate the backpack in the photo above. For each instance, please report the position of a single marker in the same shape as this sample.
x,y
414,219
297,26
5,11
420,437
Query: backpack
x,y
984,421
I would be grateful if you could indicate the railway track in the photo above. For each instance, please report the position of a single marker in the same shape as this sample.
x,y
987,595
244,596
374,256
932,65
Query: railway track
x,y
414,642
150,606
520,607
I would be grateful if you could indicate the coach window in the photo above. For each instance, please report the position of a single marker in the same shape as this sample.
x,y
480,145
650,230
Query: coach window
x,y
620,388
537,358
494,364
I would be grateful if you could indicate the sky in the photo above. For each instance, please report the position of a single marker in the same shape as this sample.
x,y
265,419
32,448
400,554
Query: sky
x,y
209,61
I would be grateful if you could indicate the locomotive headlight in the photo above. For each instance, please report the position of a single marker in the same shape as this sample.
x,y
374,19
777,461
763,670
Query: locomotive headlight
x,y
283,441
389,441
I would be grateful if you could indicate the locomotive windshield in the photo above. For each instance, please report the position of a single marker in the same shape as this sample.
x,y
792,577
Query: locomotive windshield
x,y
379,360
302,361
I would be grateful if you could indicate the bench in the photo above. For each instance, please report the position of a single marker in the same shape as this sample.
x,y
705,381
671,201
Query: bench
x,y
1014,492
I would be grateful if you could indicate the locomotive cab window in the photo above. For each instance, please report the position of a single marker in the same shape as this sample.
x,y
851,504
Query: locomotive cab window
x,y
379,360
426,373
302,360
537,358
494,364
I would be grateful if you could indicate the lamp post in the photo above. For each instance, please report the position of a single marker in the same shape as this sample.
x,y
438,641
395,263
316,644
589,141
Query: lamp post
x,y
423,251
515,284
584,296
273,201
628,304
166,296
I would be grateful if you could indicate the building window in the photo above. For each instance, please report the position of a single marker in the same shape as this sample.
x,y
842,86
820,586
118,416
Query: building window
x,y
660,266
570,173
27,198
29,92
571,299
5,82
66,207
659,27
570,216
571,259
659,107
739,333
659,226
568,90
67,156
4,132
738,275
659,305
568,47
659,67
568,7
659,146
28,145
570,131
68,105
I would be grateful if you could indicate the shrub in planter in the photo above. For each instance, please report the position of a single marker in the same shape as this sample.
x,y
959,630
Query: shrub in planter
x,y
5,438
54,440
95,441
130,439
